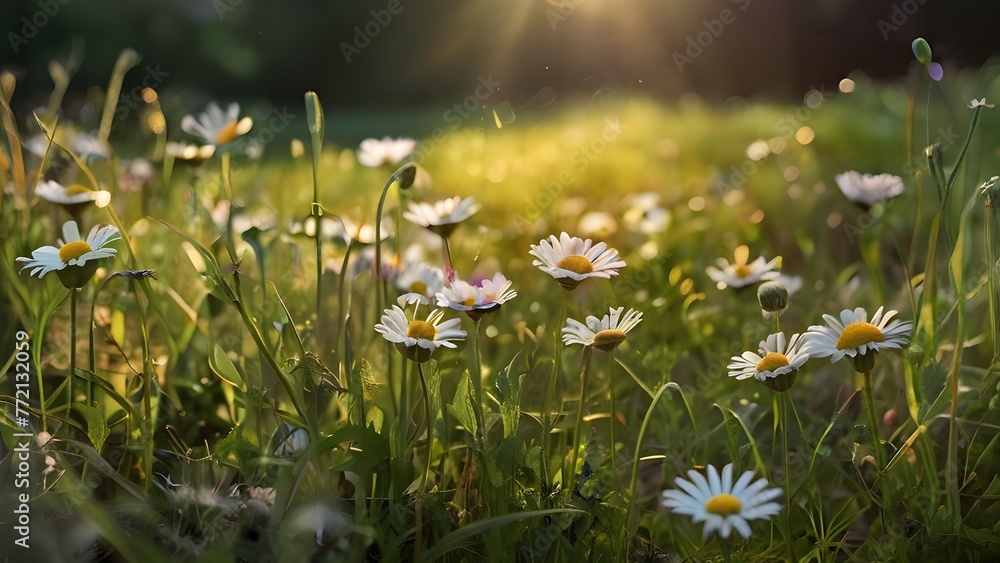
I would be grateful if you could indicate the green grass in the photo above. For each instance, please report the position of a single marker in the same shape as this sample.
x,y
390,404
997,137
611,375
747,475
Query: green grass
x,y
199,374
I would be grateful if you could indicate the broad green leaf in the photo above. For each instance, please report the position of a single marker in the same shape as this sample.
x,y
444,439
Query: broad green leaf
x,y
223,366
97,427
462,407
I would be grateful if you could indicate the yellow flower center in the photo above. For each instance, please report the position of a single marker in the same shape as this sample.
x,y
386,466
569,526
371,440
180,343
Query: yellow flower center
x,y
77,189
742,271
469,301
227,133
608,339
576,264
418,287
421,329
858,334
724,504
772,361
73,250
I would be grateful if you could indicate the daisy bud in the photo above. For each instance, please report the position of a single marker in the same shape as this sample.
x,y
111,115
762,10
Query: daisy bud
x,y
314,115
773,297
864,363
921,50
407,175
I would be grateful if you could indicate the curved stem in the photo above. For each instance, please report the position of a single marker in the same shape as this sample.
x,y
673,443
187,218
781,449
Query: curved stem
x,y
578,432
427,464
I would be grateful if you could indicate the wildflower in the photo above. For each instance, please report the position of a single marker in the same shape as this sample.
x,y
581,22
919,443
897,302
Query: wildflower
x,y
73,197
605,333
974,103
188,153
215,127
853,336
75,260
646,215
419,284
374,153
570,260
867,190
597,223
475,300
775,364
721,504
417,339
739,273
444,215
773,298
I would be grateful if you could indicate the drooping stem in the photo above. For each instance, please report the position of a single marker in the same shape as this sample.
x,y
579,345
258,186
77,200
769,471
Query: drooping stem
x,y
427,464
578,432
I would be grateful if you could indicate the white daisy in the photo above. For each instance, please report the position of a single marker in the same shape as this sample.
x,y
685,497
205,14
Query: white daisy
x,y
418,339
55,192
570,260
477,300
772,361
419,283
75,259
721,504
443,215
216,127
188,153
605,333
374,153
740,273
853,336
867,189
974,103
646,215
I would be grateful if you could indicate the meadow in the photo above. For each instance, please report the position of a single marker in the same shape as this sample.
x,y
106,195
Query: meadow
x,y
231,382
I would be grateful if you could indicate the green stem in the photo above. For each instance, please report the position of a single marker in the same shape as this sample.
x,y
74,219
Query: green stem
x,y
380,286
961,154
477,385
783,420
447,257
578,432
952,465
635,459
147,391
343,308
992,265
869,396
614,420
550,391
427,464
72,349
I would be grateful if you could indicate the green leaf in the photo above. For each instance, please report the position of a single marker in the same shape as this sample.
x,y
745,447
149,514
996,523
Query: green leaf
x,y
222,366
734,423
462,407
97,427
462,536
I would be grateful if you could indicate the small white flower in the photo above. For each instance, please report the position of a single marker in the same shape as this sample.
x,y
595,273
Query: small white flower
x,y
646,215
188,153
374,153
417,339
852,335
475,300
867,189
216,127
72,250
605,333
55,192
772,360
570,260
419,284
597,223
973,104
740,273
443,215
721,504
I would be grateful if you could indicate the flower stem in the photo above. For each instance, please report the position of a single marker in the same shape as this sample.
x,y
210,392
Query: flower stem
x,y
578,433
614,419
869,396
477,385
550,391
783,421
427,464
72,349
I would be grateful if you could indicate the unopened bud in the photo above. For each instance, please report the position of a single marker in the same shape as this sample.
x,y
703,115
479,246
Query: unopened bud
x,y
921,50
773,297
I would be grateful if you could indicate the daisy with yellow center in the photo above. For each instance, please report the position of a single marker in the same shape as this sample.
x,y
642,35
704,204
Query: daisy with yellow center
x,y
375,153
740,273
419,284
75,259
418,339
722,505
775,364
605,333
71,195
867,190
443,215
570,260
476,300
216,127
853,336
